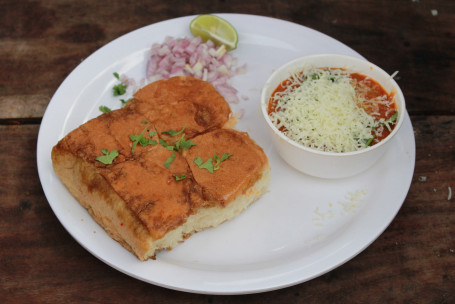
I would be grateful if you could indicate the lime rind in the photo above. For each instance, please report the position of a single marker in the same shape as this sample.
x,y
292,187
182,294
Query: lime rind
x,y
217,29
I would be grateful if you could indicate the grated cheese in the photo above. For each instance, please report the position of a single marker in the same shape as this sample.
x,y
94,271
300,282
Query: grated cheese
x,y
327,110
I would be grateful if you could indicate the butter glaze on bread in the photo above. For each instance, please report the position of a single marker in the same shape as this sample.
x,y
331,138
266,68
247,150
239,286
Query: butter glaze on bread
x,y
137,200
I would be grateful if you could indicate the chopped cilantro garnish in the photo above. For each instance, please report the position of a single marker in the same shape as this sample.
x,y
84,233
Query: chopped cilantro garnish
x,y
207,165
220,160
172,132
147,141
184,144
163,143
104,109
108,157
168,162
144,121
177,178
166,145
124,102
119,89
369,141
315,76
179,145
153,133
392,118
138,138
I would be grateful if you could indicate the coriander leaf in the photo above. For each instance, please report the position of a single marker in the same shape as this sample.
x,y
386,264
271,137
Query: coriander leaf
x,y
168,162
225,156
207,165
179,178
116,75
172,132
314,76
219,160
198,161
138,138
165,144
108,157
153,133
183,144
124,102
369,141
147,141
119,89
187,144
135,139
143,141
104,109
144,121
393,118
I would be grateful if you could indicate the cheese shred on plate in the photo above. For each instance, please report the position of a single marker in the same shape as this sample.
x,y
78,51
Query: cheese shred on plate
x,y
322,109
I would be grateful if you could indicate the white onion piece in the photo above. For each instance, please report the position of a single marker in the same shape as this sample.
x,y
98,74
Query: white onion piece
x,y
194,58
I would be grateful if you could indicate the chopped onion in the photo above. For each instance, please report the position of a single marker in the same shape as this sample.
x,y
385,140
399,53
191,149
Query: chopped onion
x,y
192,57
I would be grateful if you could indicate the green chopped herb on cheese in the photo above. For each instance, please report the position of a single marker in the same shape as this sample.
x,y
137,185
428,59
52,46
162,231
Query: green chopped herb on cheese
x,y
220,160
209,165
179,178
179,145
166,145
183,144
172,132
168,162
108,157
140,139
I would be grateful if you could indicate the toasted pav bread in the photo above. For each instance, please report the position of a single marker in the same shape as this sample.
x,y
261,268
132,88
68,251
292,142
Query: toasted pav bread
x,y
151,191
109,131
153,195
183,101
244,164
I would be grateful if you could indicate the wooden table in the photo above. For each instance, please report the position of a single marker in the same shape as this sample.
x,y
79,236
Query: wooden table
x,y
41,42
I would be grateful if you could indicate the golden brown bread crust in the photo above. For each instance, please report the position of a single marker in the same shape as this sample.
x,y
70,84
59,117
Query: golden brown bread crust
x,y
137,199
83,180
238,173
182,101
151,191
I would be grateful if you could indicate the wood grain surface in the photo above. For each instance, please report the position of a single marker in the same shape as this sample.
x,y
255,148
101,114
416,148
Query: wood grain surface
x,y
41,42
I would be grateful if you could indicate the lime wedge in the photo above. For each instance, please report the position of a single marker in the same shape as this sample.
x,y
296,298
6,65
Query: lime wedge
x,y
216,29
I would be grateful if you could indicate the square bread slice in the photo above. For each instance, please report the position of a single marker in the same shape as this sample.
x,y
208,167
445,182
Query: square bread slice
x,y
156,192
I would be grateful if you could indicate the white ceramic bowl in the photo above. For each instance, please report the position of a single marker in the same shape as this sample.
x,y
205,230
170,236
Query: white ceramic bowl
x,y
330,164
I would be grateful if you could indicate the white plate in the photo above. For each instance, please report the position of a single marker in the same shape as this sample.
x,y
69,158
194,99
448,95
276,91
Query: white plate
x,y
302,228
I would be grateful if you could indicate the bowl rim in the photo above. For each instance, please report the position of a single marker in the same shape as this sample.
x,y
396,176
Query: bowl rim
x,y
295,63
